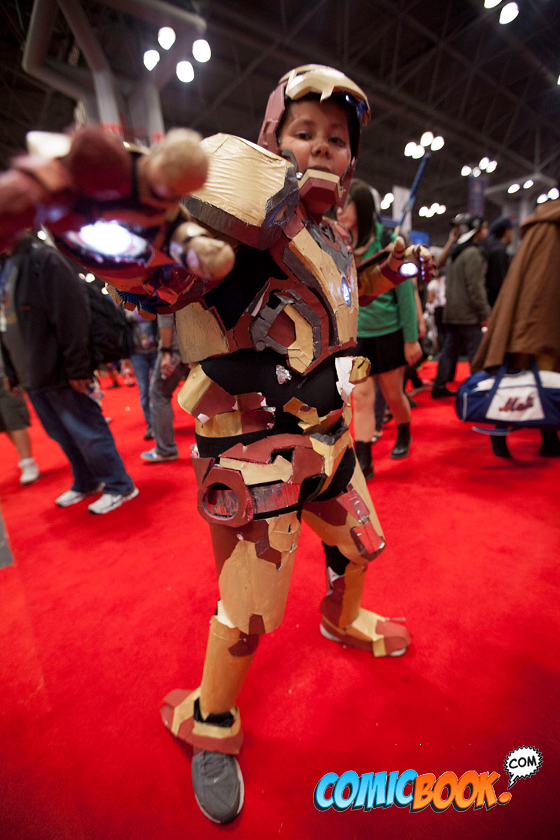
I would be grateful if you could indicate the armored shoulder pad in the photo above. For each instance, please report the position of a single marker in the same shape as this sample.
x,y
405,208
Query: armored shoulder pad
x,y
249,193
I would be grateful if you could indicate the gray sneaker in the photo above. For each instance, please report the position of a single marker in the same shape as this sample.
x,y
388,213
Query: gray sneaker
x,y
218,785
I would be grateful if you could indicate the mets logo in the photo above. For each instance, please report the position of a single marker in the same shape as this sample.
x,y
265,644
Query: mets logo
x,y
515,404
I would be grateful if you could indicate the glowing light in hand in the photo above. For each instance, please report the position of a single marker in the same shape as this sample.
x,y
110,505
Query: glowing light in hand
x,y
111,239
408,269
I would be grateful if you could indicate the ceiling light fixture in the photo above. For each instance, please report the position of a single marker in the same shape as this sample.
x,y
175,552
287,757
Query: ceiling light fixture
x,y
151,58
466,170
166,37
528,184
427,138
185,71
437,143
553,193
201,51
509,13
513,188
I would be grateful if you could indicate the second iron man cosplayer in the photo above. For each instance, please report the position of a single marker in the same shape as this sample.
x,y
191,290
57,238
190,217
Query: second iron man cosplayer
x,y
266,299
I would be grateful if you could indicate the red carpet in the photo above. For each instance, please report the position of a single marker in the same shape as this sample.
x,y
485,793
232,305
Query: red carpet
x,y
102,616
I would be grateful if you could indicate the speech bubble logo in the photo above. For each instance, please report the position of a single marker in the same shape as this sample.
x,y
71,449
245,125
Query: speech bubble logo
x,y
522,763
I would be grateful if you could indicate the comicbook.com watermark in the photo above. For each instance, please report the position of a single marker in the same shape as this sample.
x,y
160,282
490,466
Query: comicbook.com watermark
x,y
417,792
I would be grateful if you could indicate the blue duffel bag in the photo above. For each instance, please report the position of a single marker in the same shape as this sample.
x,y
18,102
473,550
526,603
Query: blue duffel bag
x,y
524,399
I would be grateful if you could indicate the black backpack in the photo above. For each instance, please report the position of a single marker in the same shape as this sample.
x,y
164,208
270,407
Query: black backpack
x,y
111,336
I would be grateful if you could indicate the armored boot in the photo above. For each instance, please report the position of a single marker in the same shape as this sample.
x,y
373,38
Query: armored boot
x,y
208,719
344,621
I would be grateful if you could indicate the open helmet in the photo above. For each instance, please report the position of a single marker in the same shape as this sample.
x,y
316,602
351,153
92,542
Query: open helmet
x,y
327,83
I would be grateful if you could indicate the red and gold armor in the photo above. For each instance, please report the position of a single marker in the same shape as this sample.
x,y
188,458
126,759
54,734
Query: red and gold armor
x,y
266,301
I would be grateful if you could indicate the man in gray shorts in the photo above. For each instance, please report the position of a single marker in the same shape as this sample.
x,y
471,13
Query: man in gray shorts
x,y
14,421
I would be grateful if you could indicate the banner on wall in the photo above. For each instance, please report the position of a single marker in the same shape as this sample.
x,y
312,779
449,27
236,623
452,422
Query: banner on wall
x,y
402,194
477,193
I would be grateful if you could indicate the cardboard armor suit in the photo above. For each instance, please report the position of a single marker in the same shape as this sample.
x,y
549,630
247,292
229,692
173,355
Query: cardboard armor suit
x,y
270,337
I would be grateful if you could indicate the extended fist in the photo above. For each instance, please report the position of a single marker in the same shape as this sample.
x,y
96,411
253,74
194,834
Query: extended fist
x,y
45,187
411,261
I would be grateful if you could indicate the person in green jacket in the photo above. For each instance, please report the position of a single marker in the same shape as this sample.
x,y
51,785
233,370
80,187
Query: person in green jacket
x,y
387,333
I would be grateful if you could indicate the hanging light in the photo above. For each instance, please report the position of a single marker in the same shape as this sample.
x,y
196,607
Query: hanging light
x,y
466,170
409,148
542,198
166,37
437,143
509,13
491,166
389,198
513,188
418,151
484,163
442,209
423,211
528,184
476,172
435,207
201,50
89,278
427,138
151,58
553,193
185,71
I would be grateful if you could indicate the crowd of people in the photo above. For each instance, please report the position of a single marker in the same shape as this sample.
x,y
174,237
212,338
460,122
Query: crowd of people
x,y
270,362
389,329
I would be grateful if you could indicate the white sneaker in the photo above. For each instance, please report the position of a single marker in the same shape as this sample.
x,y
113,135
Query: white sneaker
x,y
72,497
29,471
110,501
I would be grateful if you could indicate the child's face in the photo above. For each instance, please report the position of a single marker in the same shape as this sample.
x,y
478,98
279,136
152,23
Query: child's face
x,y
317,134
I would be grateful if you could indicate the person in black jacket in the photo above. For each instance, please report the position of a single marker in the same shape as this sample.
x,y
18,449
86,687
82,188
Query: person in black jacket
x,y
497,258
47,353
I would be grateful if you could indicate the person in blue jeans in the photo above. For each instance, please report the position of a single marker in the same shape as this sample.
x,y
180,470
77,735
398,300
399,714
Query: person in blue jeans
x,y
46,351
143,361
169,370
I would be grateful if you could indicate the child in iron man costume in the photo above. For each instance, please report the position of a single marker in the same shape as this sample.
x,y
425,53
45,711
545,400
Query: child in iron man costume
x,y
266,299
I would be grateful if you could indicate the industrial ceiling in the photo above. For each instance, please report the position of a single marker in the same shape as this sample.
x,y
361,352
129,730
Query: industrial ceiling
x,y
439,65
